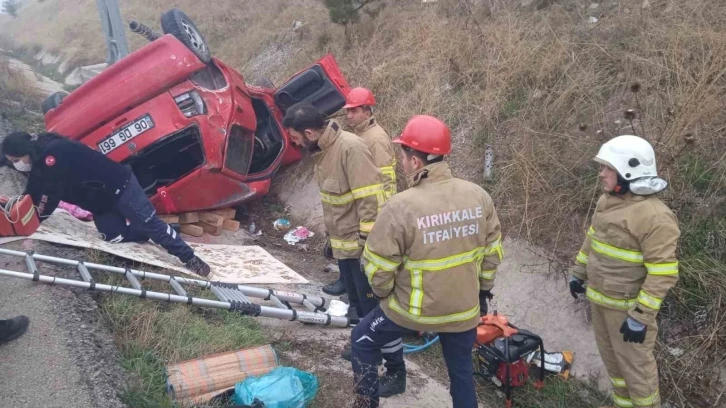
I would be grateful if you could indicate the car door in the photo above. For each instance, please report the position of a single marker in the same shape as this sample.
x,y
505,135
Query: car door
x,y
322,85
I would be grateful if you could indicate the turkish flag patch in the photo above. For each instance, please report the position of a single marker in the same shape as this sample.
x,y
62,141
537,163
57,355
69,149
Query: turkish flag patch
x,y
49,161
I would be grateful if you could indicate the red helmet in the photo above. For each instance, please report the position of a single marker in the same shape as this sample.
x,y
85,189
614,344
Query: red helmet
x,y
359,97
426,134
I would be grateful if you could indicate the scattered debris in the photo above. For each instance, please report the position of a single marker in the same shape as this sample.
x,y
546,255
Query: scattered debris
x,y
281,224
676,352
297,235
592,20
252,228
331,267
282,387
555,362
338,308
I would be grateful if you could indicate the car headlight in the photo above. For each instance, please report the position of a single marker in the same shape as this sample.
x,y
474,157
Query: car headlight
x,y
191,104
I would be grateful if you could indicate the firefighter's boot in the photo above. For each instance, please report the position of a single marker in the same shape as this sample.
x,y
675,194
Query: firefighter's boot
x,y
336,288
198,266
392,384
13,328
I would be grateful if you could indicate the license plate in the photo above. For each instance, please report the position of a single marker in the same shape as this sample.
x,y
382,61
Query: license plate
x,y
126,133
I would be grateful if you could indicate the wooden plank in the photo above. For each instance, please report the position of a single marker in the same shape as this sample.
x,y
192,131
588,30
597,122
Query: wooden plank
x,y
189,218
209,229
227,213
212,219
170,219
193,230
231,225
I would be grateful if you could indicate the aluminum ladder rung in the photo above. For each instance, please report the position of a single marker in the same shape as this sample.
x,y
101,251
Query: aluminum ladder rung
x,y
177,287
278,302
218,293
310,305
30,263
133,280
85,275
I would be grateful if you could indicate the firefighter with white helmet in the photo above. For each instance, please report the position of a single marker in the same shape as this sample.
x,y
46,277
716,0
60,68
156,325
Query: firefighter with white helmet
x,y
431,260
359,112
629,262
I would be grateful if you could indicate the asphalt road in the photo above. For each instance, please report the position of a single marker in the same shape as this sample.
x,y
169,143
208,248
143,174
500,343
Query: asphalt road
x,y
66,359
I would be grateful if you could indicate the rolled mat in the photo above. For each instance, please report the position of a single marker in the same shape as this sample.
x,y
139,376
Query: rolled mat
x,y
201,379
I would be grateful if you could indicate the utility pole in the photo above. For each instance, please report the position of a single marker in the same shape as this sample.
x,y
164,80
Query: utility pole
x,y
113,30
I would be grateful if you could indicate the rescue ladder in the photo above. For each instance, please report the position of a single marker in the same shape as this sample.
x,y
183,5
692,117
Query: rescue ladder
x,y
231,296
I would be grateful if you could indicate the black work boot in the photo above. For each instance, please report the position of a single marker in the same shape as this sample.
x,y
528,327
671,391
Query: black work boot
x,y
336,288
13,328
198,266
347,352
392,384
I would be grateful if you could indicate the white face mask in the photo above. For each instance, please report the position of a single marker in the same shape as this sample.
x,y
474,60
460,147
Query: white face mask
x,y
22,166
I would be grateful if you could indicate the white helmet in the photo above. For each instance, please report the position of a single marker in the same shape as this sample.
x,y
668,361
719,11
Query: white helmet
x,y
631,156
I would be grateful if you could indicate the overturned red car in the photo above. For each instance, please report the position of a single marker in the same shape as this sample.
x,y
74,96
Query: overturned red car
x,y
195,134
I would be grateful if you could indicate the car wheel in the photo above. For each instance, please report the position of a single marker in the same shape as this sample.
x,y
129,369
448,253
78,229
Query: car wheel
x,y
178,24
53,101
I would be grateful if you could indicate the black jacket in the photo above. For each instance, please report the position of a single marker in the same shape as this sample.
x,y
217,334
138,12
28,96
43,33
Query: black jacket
x,y
69,171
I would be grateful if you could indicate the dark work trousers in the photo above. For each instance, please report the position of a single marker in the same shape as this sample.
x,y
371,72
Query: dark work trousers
x,y
373,338
376,332
143,223
359,291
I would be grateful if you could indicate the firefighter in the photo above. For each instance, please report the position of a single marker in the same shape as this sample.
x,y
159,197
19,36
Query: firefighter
x,y
351,190
629,262
432,260
361,121
62,169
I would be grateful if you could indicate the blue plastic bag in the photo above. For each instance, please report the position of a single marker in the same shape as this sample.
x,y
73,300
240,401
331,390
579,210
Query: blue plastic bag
x,y
283,387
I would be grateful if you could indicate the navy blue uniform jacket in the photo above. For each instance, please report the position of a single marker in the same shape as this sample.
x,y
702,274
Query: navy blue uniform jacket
x,y
75,173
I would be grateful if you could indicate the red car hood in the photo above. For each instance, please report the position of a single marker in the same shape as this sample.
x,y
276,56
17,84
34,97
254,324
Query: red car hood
x,y
128,83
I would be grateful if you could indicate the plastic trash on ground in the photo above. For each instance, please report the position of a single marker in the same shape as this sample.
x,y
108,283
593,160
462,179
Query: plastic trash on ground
x,y
283,387
337,308
558,362
297,235
281,224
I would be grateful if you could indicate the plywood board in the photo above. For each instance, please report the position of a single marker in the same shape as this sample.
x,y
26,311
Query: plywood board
x,y
229,263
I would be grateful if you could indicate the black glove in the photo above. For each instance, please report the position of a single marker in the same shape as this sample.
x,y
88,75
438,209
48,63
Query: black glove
x,y
484,295
328,250
576,286
633,331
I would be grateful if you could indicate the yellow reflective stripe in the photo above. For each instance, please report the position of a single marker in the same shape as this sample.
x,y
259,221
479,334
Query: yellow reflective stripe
x,y
647,401
336,200
662,269
618,382
388,170
495,247
488,275
456,317
622,402
366,226
416,300
600,299
649,301
366,191
617,253
380,262
448,262
582,258
370,270
344,245
591,230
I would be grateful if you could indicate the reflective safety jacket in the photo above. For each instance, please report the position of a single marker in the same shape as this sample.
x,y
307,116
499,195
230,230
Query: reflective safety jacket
x,y
351,189
381,147
433,247
629,255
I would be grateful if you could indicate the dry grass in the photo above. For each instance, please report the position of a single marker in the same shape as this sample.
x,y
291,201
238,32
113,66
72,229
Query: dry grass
x,y
543,86
17,87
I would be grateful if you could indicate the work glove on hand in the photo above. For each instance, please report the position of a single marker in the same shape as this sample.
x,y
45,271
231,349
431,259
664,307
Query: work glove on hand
x,y
576,286
484,295
328,250
633,331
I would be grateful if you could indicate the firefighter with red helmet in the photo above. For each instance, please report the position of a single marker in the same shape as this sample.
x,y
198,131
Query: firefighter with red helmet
x,y
629,262
431,260
361,121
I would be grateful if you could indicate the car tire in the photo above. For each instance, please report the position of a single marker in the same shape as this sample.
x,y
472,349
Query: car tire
x,y
53,101
178,24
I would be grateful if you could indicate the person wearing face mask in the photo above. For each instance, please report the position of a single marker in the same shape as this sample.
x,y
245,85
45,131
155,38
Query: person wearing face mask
x,y
62,169
628,260
361,121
